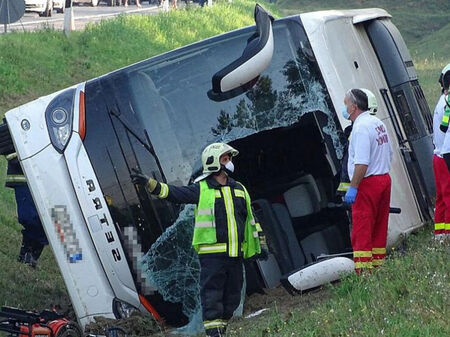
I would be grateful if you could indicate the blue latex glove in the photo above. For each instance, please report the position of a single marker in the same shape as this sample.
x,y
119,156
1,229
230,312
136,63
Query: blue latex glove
x,y
350,196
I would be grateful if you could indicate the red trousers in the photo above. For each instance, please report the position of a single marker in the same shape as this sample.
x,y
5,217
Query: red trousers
x,y
370,214
442,211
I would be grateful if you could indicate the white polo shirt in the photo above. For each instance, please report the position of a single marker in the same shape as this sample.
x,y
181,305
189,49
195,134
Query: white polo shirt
x,y
438,135
369,145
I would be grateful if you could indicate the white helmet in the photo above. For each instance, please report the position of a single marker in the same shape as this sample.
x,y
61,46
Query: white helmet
x,y
371,101
211,158
444,77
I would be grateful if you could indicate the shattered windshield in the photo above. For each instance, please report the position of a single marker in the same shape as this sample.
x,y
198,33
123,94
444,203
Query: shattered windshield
x,y
168,97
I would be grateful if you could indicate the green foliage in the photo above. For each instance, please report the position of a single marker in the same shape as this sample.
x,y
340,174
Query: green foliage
x,y
408,296
24,287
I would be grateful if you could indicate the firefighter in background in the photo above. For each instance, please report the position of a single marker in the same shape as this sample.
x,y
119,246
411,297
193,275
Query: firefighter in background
x,y
33,235
369,192
441,159
225,231
344,179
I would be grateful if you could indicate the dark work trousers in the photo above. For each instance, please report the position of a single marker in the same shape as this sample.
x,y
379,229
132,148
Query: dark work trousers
x,y
28,217
221,280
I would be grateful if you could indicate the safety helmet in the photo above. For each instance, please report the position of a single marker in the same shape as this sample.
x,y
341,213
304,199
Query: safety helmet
x,y
372,105
444,77
211,158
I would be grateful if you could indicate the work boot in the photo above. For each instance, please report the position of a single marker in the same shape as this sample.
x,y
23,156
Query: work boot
x,y
439,238
36,251
25,248
23,251
30,260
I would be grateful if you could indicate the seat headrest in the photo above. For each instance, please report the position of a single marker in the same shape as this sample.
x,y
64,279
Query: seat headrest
x,y
304,198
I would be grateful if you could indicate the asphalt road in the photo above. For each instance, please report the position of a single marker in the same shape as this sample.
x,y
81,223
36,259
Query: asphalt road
x,y
83,15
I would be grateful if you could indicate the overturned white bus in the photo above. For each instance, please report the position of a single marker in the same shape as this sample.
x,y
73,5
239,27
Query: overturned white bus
x,y
275,93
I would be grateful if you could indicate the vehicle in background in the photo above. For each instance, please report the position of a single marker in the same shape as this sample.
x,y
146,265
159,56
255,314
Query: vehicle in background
x,y
93,3
44,7
276,95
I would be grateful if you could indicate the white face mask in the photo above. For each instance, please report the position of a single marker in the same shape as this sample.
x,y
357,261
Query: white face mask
x,y
229,166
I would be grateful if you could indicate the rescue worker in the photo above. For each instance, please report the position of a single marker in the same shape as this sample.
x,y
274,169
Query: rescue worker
x,y
369,192
441,141
344,179
225,231
33,235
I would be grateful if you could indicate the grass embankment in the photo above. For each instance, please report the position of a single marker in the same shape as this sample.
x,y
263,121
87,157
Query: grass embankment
x,y
407,297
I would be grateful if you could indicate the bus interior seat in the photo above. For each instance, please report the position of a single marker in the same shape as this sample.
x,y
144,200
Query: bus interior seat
x,y
285,222
270,271
278,233
335,240
314,245
326,190
304,198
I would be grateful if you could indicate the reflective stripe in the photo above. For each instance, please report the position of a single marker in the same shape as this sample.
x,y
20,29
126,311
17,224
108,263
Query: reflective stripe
x,y
363,265
204,212
218,195
445,119
164,191
255,234
11,156
378,250
204,224
232,228
447,226
377,262
362,253
239,193
439,226
343,187
15,179
213,248
217,323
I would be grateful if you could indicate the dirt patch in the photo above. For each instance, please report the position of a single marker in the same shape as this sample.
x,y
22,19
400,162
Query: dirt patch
x,y
279,304
136,325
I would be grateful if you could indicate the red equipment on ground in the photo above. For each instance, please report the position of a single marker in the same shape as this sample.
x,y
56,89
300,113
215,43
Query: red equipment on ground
x,y
22,323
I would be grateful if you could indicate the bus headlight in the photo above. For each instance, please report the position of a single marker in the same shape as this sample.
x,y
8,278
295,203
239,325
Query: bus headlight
x,y
122,309
59,119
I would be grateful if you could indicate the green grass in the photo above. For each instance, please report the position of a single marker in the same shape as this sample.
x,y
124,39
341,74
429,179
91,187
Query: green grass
x,y
394,300
407,297
22,286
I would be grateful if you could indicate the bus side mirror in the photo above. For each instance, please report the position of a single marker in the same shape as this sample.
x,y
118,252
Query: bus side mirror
x,y
243,73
